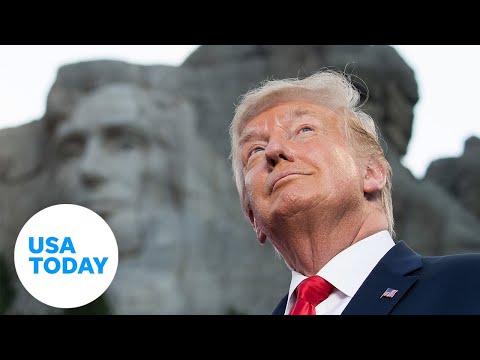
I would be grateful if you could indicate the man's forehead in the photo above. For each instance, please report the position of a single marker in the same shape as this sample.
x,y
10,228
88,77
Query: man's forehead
x,y
288,111
100,124
109,102
99,113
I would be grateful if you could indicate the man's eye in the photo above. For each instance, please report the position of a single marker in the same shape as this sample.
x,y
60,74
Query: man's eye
x,y
255,150
125,142
306,129
69,148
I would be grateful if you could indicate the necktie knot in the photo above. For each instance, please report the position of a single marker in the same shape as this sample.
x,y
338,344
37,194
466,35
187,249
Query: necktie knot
x,y
310,292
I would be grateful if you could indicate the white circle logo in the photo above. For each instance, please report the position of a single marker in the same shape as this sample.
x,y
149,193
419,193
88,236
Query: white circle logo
x,y
66,256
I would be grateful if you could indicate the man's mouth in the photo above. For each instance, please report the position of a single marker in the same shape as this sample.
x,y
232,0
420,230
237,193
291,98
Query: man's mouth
x,y
281,176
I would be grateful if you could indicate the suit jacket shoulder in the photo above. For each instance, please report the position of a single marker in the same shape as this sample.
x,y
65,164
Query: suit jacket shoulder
x,y
404,282
422,285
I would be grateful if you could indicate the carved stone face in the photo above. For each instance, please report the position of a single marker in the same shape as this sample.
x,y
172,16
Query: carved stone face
x,y
105,151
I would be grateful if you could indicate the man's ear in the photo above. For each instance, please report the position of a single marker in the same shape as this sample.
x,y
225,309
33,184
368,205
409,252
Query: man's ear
x,y
375,177
260,235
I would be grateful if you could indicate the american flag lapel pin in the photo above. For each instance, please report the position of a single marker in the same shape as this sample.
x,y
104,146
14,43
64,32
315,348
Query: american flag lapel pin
x,y
390,293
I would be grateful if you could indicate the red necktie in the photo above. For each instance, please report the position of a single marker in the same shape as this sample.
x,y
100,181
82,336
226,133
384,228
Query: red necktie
x,y
310,292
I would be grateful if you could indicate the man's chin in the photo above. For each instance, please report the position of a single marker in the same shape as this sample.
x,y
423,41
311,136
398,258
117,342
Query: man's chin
x,y
289,204
126,229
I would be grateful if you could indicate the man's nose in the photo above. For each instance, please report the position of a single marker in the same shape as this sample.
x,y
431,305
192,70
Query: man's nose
x,y
278,149
93,165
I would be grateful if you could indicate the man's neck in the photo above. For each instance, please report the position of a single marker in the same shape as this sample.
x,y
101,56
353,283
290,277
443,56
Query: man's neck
x,y
308,242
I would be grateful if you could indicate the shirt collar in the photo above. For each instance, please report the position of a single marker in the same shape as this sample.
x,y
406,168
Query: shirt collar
x,y
350,267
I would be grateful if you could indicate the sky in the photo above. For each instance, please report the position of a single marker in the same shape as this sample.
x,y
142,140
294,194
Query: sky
x,y
445,115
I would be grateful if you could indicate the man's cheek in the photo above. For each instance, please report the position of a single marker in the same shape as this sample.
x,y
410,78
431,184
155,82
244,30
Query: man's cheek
x,y
251,179
64,178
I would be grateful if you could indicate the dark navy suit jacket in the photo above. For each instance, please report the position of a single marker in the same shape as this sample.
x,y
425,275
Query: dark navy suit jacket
x,y
427,285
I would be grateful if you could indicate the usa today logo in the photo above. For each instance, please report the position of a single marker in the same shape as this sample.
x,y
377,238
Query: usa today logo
x,y
66,256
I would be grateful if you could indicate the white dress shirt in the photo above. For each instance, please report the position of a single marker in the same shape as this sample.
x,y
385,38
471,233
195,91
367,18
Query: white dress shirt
x,y
346,272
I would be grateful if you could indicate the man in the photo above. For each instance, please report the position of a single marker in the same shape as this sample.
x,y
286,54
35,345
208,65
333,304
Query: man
x,y
110,151
313,180
117,152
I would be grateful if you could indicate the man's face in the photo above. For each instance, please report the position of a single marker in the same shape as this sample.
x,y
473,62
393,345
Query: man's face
x,y
102,157
295,159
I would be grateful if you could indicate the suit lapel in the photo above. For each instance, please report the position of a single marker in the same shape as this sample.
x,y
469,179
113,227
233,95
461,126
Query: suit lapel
x,y
389,273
